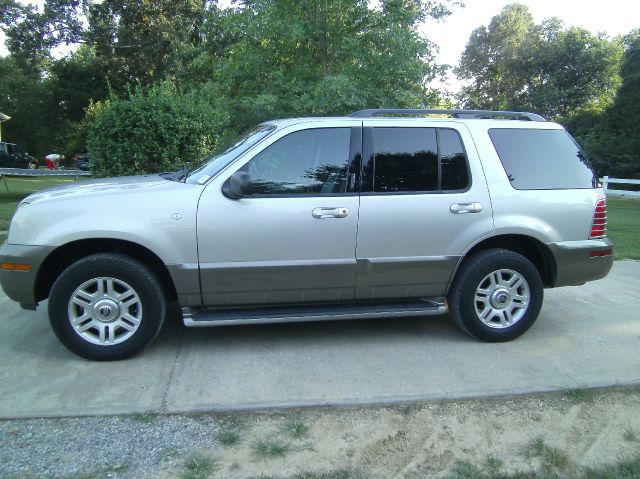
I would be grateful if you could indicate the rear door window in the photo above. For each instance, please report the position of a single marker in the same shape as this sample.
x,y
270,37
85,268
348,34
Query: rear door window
x,y
418,159
542,159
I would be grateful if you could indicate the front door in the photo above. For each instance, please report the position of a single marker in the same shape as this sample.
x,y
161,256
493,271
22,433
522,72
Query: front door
x,y
424,201
293,239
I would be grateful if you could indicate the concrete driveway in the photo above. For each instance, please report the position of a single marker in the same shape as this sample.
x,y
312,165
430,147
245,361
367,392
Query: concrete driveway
x,y
585,337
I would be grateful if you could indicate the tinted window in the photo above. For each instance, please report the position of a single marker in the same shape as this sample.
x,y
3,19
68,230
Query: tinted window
x,y
455,175
405,159
418,159
542,159
305,162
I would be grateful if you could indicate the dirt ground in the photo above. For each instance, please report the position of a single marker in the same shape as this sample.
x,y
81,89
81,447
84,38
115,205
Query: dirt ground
x,y
559,432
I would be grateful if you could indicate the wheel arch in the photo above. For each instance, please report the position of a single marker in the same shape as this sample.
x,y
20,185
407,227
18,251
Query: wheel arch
x,y
67,254
534,250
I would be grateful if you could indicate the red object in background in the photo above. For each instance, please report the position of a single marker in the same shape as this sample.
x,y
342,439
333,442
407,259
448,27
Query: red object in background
x,y
50,164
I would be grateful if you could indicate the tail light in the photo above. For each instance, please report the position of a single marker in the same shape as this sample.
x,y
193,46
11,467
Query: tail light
x,y
599,223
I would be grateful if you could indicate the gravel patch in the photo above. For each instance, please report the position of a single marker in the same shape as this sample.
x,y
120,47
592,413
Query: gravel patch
x,y
112,447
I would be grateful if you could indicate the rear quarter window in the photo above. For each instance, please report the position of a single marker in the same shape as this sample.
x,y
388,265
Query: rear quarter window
x,y
542,159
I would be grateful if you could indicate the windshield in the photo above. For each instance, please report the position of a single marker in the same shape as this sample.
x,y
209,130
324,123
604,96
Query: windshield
x,y
227,154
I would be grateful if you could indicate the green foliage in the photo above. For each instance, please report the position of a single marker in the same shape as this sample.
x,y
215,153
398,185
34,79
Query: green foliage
x,y
314,57
161,129
47,112
517,64
259,60
610,137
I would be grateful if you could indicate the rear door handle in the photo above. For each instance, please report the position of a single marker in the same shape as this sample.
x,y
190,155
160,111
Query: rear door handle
x,y
324,212
462,208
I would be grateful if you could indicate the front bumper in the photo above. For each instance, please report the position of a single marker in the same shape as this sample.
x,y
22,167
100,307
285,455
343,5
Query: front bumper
x,y
20,285
580,261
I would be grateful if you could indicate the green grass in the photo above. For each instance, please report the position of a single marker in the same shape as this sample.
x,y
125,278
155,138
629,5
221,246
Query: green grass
x,y
623,223
626,469
199,467
228,438
146,417
295,428
268,448
579,395
552,458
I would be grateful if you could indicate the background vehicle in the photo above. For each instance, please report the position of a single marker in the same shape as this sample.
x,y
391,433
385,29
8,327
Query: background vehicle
x,y
82,161
368,216
12,156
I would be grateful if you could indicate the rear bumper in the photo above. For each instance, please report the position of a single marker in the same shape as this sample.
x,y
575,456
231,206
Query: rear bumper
x,y
20,285
580,261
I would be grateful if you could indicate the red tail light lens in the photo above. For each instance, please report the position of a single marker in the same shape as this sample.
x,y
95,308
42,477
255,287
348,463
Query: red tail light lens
x,y
599,224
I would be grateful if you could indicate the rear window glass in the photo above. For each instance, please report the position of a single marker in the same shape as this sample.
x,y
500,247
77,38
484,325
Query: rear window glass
x,y
542,159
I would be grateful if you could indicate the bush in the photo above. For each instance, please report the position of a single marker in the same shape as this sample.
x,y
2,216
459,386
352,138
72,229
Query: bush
x,y
161,129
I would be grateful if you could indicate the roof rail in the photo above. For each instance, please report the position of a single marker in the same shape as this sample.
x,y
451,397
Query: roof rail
x,y
469,114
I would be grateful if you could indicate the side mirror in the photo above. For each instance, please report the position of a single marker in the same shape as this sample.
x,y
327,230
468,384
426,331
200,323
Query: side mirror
x,y
237,186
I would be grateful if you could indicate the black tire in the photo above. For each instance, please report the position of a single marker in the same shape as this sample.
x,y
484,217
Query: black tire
x,y
130,282
480,269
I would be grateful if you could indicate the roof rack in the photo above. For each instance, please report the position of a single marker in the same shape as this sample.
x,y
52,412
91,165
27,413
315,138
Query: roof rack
x,y
468,114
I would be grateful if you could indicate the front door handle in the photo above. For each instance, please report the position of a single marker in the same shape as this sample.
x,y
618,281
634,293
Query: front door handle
x,y
324,212
462,208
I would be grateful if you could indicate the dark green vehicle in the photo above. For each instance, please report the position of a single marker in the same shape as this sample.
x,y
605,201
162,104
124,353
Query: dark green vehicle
x,y
12,156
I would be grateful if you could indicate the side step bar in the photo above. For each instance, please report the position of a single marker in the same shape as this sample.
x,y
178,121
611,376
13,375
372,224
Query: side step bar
x,y
227,317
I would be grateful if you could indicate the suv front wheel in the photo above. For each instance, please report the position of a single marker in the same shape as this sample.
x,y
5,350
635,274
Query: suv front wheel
x,y
106,307
496,295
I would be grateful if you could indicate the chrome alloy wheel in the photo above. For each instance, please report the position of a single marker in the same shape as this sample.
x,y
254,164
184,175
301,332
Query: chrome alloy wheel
x,y
502,298
105,311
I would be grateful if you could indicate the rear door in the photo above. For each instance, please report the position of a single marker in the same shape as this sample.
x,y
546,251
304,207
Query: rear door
x,y
424,201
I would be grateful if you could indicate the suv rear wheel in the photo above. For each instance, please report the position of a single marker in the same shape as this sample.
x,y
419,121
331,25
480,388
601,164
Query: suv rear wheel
x,y
106,307
496,295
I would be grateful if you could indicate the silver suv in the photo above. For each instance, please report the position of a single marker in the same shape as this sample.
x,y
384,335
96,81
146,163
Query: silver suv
x,y
382,214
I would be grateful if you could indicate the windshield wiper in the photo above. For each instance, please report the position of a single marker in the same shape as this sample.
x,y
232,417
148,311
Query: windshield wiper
x,y
180,175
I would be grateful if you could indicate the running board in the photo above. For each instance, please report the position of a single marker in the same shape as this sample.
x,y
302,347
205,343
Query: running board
x,y
227,317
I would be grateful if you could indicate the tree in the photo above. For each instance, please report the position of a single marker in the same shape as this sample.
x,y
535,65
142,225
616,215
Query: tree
x,y
610,137
135,38
492,60
517,64
262,58
320,57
